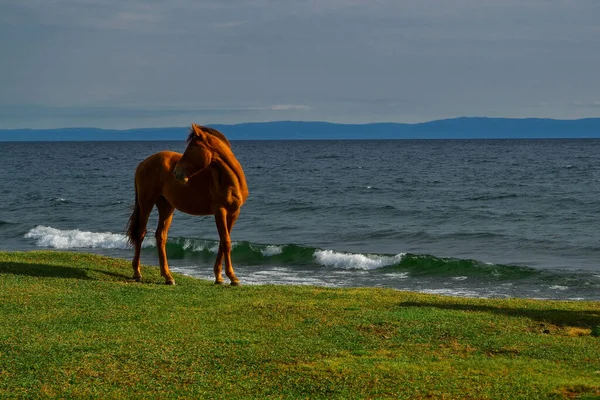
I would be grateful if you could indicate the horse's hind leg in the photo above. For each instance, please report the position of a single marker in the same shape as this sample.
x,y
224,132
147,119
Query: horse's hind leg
x,y
143,212
165,216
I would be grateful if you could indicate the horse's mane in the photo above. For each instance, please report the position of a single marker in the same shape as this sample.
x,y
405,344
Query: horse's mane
x,y
210,131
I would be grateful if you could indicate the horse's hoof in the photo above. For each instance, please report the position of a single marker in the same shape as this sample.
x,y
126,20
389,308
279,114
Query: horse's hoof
x,y
218,282
172,283
137,278
236,283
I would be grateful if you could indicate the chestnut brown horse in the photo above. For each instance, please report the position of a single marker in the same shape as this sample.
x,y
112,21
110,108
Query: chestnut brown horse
x,y
206,180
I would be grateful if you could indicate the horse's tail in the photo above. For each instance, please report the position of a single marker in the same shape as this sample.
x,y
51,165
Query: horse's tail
x,y
133,226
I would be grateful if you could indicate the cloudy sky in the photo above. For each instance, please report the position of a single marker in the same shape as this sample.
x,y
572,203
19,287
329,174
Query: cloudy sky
x,y
124,63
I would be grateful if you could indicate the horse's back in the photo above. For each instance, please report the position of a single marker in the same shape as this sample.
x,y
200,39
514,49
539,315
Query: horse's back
x,y
154,178
158,162
154,172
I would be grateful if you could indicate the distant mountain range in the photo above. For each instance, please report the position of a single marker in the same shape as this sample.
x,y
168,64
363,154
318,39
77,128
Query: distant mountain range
x,y
456,128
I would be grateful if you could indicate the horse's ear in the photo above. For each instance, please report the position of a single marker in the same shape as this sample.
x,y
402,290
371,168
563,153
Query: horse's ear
x,y
198,132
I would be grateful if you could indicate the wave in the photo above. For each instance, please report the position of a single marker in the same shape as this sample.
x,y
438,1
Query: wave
x,y
335,259
290,255
58,200
46,236
494,197
461,269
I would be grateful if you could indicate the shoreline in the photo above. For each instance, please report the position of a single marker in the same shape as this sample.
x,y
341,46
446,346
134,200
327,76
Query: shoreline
x,y
248,278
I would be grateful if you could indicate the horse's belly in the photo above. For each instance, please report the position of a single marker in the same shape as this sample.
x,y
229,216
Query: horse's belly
x,y
189,198
199,208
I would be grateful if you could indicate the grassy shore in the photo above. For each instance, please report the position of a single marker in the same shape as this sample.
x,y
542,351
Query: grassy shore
x,y
74,325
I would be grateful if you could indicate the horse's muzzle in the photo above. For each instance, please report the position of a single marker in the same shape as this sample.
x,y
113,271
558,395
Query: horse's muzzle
x,y
180,175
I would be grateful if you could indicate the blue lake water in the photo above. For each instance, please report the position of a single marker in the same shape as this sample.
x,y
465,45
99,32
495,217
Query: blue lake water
x,y
480,218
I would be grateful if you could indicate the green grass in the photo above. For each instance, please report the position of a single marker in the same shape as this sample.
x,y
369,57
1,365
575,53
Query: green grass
x,y
74,325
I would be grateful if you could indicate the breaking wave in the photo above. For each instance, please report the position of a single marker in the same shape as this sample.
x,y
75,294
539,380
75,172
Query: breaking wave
x,y
46,236
311,265
291,255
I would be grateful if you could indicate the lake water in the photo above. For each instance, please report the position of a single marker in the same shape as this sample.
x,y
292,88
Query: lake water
x,y
478,218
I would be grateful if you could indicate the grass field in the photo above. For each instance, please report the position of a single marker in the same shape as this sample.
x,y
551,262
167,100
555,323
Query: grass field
x,y
74,325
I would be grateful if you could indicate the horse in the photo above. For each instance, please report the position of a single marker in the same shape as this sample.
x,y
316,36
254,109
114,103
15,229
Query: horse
x,y
207,179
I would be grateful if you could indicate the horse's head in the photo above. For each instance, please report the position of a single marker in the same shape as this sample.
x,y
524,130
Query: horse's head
x,y
196,157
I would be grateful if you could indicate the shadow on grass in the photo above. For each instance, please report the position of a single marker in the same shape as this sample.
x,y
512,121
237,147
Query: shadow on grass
x,y
53,271
112,274
575,318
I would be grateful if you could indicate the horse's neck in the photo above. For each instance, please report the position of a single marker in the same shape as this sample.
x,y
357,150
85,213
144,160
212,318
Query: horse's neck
x,y
230,172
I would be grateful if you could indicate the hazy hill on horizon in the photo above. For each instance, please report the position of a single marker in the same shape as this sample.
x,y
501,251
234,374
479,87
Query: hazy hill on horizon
x,y
455,128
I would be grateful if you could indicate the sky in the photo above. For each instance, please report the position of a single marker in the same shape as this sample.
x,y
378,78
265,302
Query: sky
x,y
132,64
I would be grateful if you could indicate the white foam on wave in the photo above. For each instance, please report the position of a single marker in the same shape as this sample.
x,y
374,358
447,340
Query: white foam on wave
x,y
192,245
330,258
46,236
398,275
558,287
275,276
456,292
271,251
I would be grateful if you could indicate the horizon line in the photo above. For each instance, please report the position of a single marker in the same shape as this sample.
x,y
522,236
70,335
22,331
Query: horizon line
x,y
314,122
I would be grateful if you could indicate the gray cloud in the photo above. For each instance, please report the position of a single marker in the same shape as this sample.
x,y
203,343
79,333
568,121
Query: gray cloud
x,y
338,60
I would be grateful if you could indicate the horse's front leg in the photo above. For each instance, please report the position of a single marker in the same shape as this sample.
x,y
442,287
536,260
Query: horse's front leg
x,y
223,224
